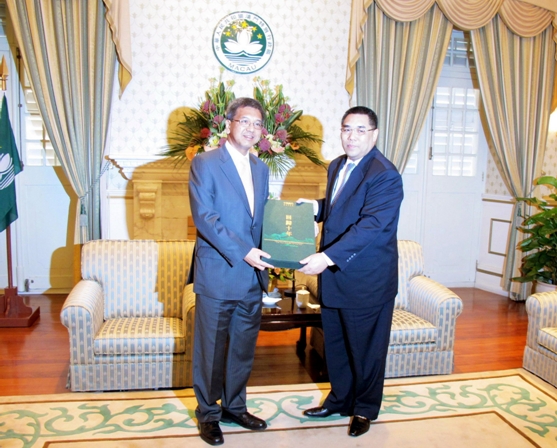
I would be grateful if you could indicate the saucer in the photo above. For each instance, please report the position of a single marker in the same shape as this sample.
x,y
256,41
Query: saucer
x,y
271,300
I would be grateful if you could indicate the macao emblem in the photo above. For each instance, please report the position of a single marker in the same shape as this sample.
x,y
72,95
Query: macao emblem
x,y
243,42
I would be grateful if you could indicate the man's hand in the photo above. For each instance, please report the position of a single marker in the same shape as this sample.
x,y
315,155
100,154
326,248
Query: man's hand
x,y
313,202
314,264
253,258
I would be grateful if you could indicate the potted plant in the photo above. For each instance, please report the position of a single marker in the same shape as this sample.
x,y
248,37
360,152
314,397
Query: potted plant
x,y
540,262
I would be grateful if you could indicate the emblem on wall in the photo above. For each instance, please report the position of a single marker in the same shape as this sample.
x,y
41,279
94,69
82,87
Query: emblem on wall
x,y
243,42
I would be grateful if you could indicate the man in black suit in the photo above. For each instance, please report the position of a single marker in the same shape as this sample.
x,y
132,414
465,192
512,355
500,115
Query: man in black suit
x,y
228,189
358,267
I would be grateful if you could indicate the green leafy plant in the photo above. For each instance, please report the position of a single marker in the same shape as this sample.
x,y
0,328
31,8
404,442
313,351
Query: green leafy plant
x,y
540,261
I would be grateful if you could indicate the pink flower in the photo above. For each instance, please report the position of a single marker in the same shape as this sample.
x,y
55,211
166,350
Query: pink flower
x,y
264,132
205,132
281,134
284,108
218,119
264,145
279,118
208,106
222,141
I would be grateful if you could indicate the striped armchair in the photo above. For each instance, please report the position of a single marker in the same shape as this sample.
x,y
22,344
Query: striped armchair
x,y
424,321
540,353
130,318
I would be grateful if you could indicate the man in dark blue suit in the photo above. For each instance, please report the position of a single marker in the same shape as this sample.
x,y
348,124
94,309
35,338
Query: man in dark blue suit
x,y
228,188
358,267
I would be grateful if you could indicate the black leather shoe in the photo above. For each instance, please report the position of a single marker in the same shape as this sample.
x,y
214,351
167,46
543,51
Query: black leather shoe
x,y
358,426
210,432
319,412
244,419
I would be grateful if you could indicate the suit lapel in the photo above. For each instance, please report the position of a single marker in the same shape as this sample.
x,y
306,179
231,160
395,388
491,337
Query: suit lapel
x,y
231,173
355,179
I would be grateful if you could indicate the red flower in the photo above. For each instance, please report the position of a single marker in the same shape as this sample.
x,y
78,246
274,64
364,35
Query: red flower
x,y
205,132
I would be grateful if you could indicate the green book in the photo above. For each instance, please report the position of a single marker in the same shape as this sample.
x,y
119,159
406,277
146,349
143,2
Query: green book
x,y
288,233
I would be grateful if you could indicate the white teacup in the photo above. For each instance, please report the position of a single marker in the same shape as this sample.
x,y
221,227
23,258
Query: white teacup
x,y
302,298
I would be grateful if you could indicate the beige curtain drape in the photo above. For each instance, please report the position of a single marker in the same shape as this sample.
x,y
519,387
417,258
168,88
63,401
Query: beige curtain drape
x,y
70,58
516,82
521,17
514,46
118,17
398,70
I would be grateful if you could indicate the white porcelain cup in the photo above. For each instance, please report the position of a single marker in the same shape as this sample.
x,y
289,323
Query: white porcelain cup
x,y
302,298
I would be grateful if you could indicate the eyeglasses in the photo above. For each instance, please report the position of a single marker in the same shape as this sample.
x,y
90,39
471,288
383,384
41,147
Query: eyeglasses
x,y
244,122
360,130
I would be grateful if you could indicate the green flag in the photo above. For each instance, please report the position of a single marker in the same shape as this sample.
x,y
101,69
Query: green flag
x,y
9,167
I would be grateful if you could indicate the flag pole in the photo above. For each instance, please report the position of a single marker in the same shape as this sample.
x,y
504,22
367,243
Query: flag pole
x,y
13,311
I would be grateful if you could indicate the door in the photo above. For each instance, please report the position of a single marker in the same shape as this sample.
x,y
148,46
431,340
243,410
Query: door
x,y
444,178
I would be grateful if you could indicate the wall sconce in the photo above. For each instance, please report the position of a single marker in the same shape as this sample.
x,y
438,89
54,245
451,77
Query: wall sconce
x,y
4,74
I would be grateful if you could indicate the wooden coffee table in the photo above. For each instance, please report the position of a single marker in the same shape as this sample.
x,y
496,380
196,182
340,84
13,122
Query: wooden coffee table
x,y
285,315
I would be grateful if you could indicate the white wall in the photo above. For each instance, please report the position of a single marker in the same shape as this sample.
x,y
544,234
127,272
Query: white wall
x,y
173,61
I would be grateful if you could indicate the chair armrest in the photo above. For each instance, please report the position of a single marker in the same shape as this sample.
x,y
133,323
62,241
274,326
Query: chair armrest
x,y
542,313
188,319
82,314
438,305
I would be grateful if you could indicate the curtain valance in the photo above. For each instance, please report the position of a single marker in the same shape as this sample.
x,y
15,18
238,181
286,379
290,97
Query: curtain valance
x,y
118,18
521,17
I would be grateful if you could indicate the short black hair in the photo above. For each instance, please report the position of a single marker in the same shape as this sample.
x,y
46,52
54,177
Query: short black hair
x,y
236,104
361,110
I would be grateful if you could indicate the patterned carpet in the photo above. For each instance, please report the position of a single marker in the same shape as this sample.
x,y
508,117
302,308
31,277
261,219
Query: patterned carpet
x,y
505,409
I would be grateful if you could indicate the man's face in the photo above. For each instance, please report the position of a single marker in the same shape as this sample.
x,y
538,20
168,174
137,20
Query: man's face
x,y
244,136
357,145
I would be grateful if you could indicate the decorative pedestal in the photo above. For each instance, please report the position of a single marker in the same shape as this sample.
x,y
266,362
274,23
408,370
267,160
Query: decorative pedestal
x,y
14,312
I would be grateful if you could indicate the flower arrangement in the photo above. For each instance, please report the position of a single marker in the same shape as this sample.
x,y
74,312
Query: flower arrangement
x,y
281,274
282,139
203,129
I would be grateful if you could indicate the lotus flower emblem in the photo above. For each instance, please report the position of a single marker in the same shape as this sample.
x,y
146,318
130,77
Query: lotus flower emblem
x,y
6,170
243,43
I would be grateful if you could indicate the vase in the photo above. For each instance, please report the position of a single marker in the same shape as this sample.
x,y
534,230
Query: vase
x,y
544,287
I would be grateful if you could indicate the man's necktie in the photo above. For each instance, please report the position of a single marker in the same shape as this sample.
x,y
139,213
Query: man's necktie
x,y
340,183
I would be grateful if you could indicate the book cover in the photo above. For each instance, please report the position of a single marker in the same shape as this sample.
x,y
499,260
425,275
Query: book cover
x,y
288,233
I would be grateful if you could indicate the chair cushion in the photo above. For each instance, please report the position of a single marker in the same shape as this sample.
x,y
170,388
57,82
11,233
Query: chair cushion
x,y
547,337
140,335
407,328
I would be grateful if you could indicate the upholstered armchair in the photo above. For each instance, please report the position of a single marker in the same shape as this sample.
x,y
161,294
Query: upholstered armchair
x,y
540,353
130,319
424,321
